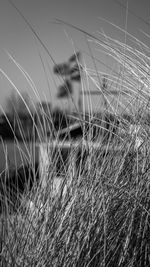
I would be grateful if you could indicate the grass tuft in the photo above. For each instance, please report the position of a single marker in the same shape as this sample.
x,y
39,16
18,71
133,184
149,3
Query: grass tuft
x,y
97,214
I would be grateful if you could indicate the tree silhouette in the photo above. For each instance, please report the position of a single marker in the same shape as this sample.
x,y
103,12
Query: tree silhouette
x,y
65,89
17,105
19,111
70,71
61,69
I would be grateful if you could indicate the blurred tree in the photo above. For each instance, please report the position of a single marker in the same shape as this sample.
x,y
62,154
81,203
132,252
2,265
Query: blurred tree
x,y
19,110
70,71
43,119
65,90
18,104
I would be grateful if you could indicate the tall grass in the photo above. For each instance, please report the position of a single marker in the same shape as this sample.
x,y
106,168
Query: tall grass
x,y
100,214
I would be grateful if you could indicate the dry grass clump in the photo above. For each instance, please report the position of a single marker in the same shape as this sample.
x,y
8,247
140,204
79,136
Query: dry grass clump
x,y
102,220
101,217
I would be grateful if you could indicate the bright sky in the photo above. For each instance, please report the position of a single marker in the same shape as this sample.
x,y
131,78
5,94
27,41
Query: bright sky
x,y
17,39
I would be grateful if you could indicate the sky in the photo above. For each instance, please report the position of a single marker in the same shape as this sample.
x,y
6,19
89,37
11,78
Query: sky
x,y
17,40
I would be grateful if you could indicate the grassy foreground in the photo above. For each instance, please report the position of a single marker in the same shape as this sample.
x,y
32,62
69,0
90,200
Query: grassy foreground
x,y
103,218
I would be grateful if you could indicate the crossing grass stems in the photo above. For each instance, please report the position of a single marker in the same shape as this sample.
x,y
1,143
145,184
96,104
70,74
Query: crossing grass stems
x,y
102,218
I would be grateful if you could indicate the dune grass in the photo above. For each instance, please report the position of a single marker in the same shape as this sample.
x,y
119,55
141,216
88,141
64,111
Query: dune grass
x,y
100,215
101,220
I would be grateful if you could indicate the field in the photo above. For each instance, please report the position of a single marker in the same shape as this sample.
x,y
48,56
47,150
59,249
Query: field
x,y
100,213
